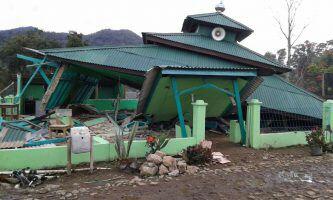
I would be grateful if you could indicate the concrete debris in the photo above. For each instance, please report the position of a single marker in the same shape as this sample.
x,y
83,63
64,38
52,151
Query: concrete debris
x,y
220,158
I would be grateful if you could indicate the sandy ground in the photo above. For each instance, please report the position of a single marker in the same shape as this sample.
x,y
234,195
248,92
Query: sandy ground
x,y
289,173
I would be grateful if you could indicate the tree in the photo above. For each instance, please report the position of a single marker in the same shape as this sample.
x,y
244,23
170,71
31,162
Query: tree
x,y
289,32
281,55
75,39
270,56
15,45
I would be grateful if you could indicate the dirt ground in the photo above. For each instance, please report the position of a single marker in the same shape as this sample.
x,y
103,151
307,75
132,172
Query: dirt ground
x,y
289,173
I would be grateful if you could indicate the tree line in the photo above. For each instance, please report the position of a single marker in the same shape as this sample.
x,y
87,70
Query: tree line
x,y
34,39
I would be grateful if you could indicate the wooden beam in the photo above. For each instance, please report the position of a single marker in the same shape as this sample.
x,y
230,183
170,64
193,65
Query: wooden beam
x,y
52,87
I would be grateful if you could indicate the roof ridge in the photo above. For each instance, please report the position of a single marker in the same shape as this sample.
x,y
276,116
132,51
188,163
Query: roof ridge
x,y
303,90
220,14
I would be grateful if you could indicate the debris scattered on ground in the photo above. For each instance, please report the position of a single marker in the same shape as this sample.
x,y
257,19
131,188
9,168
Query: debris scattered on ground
x,y
220,158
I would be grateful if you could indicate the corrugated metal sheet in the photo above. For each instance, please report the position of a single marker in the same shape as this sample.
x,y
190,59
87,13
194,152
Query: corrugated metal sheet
x,y
12,138
216,19
142,57
219,19
278,94
72,88
225,47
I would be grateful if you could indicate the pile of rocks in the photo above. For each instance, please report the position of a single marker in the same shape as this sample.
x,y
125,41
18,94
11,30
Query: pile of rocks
x,y
161,164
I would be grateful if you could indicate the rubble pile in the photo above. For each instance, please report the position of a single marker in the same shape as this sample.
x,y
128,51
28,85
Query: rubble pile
x,y
161,164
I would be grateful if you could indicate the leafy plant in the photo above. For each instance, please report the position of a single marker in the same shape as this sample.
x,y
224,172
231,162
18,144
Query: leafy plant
x,y
316,138
157,142
121,150
196,155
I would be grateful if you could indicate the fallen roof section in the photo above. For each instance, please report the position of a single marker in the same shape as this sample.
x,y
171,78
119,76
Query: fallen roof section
x,y
278,94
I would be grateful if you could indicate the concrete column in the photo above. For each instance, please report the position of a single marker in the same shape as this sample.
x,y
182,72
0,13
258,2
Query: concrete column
x,y
253,123
199,120
327,122
235,133
18,92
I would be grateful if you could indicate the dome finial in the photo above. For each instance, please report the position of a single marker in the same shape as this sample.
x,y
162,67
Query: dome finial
x,y
220,7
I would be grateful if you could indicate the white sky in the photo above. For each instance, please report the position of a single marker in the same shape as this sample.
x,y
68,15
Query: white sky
x,y
89,16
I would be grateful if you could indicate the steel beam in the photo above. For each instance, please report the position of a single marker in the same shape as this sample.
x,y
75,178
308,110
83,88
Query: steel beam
x,y
239,111
179,106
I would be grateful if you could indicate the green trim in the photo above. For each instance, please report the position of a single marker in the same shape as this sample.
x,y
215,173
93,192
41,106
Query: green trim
x,y
205,86
209,73
36,60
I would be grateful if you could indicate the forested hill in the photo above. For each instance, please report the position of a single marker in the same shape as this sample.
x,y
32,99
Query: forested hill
x,y
99,38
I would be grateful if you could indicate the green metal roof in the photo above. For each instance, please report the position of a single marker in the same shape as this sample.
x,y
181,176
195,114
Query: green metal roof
x,y
143,57
278,94
223,47
216,19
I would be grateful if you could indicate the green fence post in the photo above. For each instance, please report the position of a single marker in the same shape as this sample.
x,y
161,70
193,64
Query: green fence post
x,y
327,122
199,120
253,123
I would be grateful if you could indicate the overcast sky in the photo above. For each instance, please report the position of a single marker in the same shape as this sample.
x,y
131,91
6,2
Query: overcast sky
x,y
167,16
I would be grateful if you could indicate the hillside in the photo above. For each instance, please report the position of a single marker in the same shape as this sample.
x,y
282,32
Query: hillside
x,y
99,38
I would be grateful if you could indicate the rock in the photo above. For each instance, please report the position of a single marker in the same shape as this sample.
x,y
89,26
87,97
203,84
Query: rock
x,y
206,144
5,185
81,190
75,192
163,170
108,185
153,183
51,187
174,173
61,192
148,169
311,193
170,162
182,166
135,179
329,191
160,154
134,166
192,169
68,195
154,158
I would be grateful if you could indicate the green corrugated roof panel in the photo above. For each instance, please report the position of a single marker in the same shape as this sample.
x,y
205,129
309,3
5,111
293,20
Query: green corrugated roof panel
x,y
108,56
278,94
224,47
143,57
217,19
